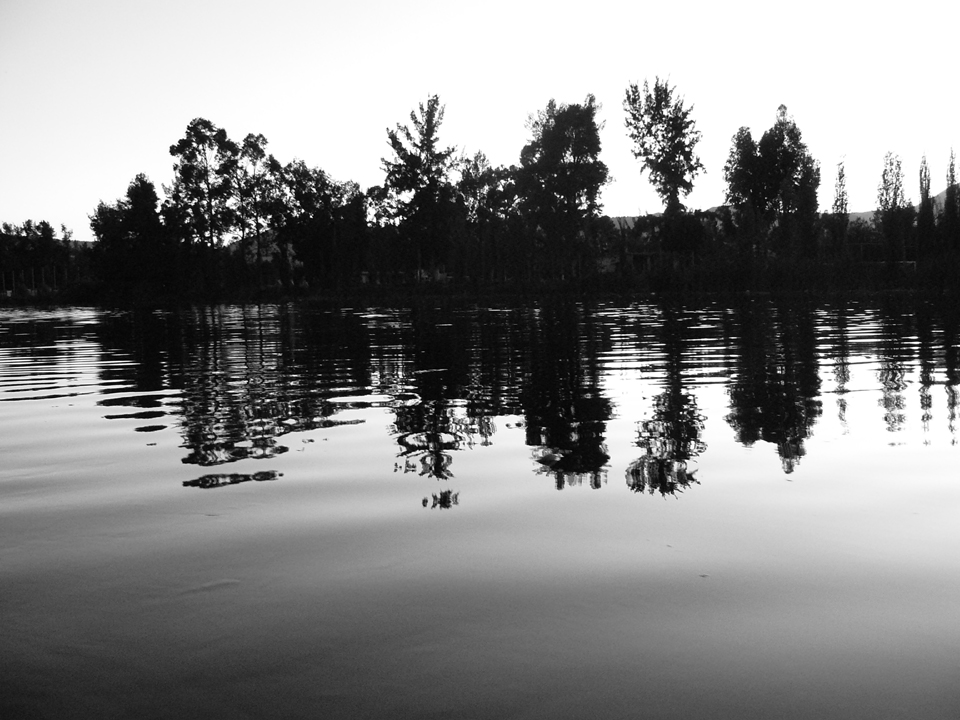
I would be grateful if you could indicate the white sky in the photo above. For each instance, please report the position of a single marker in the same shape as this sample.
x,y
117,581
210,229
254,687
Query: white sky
x,y
95,91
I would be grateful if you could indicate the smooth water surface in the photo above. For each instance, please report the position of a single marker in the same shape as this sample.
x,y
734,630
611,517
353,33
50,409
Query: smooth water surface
x,y
547,512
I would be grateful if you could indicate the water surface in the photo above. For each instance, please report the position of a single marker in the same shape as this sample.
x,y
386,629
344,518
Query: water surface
x,y
649,510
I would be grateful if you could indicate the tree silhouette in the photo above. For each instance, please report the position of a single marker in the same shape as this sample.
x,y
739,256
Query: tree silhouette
x,y
840,222
664,136
135,254
202,183
894,215
926,223
777,179
949,226
559,182
418,183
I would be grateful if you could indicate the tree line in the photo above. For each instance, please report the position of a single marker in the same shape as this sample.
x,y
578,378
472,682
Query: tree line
x,y
235,221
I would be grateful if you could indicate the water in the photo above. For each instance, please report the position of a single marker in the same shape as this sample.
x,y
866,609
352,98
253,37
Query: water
x,y
555,511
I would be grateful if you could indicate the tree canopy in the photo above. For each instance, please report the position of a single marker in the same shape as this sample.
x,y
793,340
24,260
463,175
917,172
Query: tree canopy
x,y
776,179
418,183
561,175
664,135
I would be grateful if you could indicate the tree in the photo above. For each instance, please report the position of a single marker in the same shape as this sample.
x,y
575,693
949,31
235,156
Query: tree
x,y
841,217
417,179
926,224
664,136
245,168
950,215
559,182
202,182
134,255
778,179
484,192
893,217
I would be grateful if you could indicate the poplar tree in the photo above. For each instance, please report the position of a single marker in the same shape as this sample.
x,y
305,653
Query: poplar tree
x,y
926,225
841,217
950,215
894,214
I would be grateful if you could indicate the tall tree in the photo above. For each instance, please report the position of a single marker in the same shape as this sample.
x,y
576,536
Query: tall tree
x,y
926,223
950,214
664,136
483,190
893,217
252,190
841,216
418,181
779,178
135,259
202,181
559,181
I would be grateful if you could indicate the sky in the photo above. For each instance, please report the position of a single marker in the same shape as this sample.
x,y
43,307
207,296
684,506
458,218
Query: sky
x,y
95,91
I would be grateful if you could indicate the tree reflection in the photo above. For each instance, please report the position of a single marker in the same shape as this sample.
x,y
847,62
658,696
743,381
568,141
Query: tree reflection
x,y
951,361
894,359
429,430
927,359
244,376
426,431
444,500
774,395
566,412
840,353
673,436
207,482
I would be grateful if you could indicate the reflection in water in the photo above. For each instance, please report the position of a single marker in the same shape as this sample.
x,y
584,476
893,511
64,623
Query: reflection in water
x,y
673,436
774,395
444,500
839,349
234,382
566,411
245,376
207,482
894,359
925,353
951,349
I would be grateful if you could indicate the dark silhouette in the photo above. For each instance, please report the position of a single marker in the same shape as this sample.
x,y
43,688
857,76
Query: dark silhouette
x,y
36,265
566,411
895,215
775,394
664,136
419,194
773,184
672,437
208,482
558,184
256,382
443,500
235,223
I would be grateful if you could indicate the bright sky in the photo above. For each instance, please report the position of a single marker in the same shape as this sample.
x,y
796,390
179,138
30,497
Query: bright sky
x,y
95,91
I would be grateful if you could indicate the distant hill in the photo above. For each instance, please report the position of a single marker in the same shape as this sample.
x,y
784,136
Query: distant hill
x,y
628,221
867,216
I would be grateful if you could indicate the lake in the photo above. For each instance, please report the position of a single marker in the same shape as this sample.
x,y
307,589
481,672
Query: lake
x,y
714,510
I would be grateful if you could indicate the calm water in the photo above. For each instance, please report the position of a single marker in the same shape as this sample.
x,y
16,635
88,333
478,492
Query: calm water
x,y
546,512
